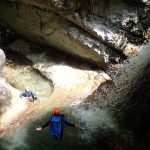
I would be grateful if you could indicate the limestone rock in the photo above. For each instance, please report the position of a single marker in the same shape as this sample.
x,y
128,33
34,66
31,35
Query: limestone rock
x,y
73,82
10,104
2,57
87,31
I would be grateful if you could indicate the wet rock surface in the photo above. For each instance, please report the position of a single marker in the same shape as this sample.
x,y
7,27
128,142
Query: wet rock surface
x,y
87,31
2,58
4,92
75,79
10,105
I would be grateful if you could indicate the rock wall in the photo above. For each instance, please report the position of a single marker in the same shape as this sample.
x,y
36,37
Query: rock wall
x,y
81,28
10,104
4,92
2,58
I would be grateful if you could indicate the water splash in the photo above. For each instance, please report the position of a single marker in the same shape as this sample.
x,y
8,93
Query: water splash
x,y
16,143
95,115
126,77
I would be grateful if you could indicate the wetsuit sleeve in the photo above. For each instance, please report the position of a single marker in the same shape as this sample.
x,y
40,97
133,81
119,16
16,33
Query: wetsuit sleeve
x,y
45,125
22,93
67,122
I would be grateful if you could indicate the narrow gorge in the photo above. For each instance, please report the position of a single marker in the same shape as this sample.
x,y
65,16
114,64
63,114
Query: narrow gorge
x,y
90,58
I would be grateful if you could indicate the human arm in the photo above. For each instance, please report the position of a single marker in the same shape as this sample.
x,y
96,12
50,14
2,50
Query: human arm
x,y
66,122
33,94
42,127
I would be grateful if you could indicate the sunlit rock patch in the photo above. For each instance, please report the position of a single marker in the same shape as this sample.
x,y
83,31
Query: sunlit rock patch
x,y
131,50
75,82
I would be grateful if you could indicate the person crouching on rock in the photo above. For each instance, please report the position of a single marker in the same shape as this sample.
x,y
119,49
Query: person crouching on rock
x,y
28,94
56,123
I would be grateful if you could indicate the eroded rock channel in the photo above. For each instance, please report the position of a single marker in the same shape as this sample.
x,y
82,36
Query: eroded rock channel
x,y
92,63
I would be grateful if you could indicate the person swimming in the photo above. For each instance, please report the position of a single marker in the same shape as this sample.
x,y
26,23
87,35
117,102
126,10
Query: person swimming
x,y
56,123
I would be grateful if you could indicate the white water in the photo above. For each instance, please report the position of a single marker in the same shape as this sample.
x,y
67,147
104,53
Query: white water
x,y
124,80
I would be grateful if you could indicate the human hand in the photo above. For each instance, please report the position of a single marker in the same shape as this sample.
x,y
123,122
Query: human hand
x,y
38,129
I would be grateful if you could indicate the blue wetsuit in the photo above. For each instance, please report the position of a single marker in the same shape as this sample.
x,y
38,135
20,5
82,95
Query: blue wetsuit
x,y
28,94
63,122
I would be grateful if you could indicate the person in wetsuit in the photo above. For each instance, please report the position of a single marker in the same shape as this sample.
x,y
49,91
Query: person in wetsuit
x,y
29,94
56,123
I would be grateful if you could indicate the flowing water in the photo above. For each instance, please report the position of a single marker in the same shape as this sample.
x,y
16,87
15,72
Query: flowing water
x,y
92,118
19,73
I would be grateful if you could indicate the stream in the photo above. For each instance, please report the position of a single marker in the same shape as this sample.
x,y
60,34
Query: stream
x,y
19,73
93,119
